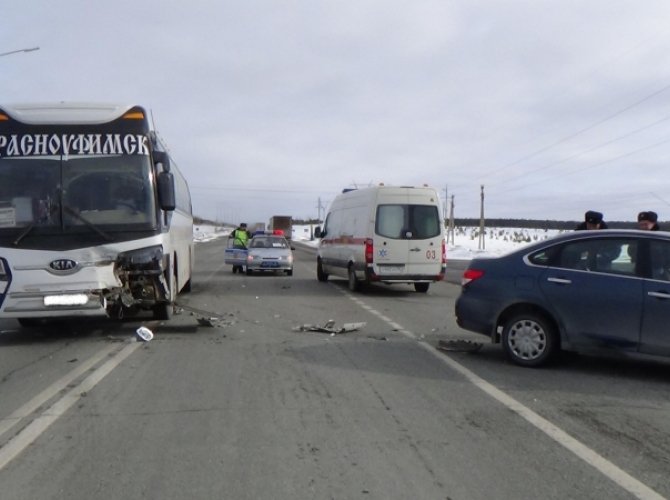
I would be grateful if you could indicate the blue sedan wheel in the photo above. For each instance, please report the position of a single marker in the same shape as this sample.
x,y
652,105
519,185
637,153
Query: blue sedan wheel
x,y
529,339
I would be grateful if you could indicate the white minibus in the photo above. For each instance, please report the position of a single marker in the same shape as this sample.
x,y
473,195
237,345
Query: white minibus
x,y
383,234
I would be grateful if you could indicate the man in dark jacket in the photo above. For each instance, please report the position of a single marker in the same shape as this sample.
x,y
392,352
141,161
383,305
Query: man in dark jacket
x,y
647,221
592,220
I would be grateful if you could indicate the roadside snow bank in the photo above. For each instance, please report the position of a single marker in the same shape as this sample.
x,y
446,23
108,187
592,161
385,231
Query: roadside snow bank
x,y
497,241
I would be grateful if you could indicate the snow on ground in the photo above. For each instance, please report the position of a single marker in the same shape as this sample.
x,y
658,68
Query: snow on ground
x,y
497,241
466,245
207,232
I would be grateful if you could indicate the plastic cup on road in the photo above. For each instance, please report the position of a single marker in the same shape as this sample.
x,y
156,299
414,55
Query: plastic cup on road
x,y
144,333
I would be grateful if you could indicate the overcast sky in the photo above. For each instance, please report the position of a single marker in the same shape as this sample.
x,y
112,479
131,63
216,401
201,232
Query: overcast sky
x,y
556,107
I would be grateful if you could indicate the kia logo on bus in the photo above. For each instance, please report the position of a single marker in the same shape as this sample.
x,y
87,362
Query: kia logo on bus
x,y
63,265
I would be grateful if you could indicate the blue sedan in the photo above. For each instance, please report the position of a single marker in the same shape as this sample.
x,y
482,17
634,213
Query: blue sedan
x,y
584,290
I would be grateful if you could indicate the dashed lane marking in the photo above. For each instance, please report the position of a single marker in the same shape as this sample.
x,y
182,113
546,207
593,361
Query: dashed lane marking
x,y
42,422
588,455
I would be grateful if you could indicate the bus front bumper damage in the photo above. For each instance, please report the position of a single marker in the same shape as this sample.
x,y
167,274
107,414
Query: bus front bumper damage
x,y
142,276
106,287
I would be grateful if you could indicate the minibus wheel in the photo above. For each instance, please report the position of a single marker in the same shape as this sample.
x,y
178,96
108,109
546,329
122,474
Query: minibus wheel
x,y
354,284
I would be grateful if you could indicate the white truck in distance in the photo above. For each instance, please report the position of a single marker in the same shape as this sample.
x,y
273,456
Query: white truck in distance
x,y
282,223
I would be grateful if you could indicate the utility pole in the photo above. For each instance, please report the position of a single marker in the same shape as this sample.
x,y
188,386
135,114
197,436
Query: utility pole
x,y
444,207
482,244
450,231
319,207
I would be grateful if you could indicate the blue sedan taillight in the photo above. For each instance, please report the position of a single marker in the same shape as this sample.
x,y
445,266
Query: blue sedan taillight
x,y
5,278
471,275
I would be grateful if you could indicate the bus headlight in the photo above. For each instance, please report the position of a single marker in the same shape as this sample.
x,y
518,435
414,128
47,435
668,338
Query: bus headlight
x,y
142,259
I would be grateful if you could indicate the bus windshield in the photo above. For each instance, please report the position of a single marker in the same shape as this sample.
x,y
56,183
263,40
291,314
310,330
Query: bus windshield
x,y
64,192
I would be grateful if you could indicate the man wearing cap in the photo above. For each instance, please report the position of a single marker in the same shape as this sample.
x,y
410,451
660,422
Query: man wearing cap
x,y
660,257
241,236
592,220
647,221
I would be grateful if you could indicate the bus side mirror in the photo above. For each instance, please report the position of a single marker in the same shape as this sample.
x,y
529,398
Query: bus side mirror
x,y
166,194
318,233
163,158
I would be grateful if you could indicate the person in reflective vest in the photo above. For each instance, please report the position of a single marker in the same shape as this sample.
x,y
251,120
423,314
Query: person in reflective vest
x,y
241,236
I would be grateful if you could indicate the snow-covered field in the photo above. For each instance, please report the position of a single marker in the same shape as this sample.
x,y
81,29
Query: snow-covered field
x,y
497,241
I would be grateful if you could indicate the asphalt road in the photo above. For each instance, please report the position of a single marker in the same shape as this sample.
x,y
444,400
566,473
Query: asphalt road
x,y
252,407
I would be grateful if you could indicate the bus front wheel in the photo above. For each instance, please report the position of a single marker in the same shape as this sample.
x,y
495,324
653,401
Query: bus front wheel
x,y
163,311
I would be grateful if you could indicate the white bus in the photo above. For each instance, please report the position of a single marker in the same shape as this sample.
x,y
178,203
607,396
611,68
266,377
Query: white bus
x,y
95,220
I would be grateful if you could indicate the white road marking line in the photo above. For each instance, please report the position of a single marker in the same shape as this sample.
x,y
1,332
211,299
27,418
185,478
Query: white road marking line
x,y
33,430
380,315
591,457
34,403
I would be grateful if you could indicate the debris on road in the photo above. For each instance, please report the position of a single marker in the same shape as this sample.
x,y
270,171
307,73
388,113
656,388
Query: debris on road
x,y
211,321
330,327
459,345
144,333
206,318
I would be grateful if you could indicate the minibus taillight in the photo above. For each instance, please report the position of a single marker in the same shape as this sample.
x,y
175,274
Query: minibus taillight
x,y
369,251
444,252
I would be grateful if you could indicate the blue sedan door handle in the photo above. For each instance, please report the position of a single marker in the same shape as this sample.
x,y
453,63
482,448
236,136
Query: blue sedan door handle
x,y
560,281
659,295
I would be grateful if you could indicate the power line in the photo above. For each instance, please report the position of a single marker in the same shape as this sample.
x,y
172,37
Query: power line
x,y
599,164
31,49
589,150
581,131
660,199
587,76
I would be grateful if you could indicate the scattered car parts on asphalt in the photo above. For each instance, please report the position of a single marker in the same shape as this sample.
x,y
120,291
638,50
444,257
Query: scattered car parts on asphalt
x,y
330,327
